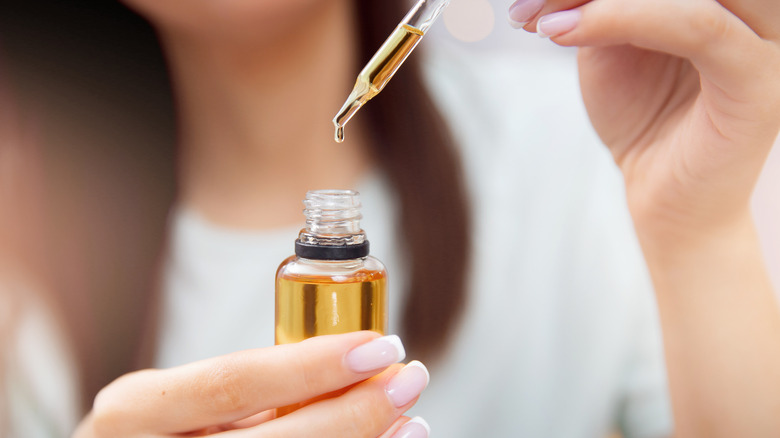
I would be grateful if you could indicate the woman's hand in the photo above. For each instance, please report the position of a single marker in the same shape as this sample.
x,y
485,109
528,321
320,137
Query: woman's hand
x,y
686,94
238,393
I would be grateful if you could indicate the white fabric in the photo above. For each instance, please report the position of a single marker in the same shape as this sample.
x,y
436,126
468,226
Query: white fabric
x,y
560,337
39,380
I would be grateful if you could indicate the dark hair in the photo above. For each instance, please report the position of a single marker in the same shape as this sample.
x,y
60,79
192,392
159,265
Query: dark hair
x,y
417,152
104,241
91,80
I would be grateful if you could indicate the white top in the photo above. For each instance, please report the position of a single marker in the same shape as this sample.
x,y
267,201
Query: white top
x,y
560,337
38,391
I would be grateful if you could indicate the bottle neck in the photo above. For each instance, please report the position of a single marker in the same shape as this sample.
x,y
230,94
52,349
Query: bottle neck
x,y
332,227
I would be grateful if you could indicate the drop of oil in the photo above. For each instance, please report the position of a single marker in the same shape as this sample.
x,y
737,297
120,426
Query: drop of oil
x,y
339,134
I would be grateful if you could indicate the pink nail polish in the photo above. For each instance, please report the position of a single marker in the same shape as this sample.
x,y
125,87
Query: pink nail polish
x,y
523,11
379,353
558,23
414,428
408,383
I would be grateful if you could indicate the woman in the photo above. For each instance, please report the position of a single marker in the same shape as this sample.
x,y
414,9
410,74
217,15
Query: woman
x,y
689,153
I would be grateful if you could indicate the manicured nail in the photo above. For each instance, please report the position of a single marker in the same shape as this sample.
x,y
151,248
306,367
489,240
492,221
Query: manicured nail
x,y
408,383
379,353
523,11
414,428
558,23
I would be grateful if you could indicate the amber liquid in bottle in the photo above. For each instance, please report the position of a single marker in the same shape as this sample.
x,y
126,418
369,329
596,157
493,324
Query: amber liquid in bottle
x,y
309,306
331,285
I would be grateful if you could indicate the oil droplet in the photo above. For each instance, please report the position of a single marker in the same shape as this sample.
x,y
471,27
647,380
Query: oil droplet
x,y
339,134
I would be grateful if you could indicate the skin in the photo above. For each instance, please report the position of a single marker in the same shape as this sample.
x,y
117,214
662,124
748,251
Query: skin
x,y
704,73
241,72
235,395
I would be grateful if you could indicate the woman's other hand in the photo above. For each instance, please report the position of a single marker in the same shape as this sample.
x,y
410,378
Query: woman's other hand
x,y
238,393
684,93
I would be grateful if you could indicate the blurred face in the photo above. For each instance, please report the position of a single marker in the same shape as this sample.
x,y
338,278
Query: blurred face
x,y
235,20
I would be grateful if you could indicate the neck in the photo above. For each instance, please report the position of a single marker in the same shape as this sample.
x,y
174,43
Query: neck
x,y
255,119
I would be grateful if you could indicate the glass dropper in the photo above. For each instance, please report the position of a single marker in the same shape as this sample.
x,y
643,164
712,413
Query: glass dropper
x,y
386,61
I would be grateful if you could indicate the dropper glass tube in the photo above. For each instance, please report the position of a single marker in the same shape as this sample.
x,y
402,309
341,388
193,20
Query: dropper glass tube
x,y
386,61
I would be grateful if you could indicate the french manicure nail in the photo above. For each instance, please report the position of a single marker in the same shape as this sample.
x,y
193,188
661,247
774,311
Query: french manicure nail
x,y
408,383
558,23
414,428
379,353
523,11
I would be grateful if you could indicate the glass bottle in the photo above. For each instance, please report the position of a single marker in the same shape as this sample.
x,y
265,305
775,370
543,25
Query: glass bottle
x,y
331,285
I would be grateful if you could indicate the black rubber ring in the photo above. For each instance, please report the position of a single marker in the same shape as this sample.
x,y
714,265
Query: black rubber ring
x,y
331,252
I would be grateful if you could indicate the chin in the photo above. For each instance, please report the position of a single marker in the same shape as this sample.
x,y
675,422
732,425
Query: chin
x,y
227,18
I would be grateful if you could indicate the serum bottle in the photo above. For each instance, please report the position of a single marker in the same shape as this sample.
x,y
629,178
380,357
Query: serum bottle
x,y
331,285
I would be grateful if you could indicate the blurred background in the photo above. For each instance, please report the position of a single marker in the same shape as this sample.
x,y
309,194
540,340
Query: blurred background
x,y
481,25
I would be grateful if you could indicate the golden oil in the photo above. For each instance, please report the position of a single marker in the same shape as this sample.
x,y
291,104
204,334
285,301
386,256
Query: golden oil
x,y
386,61
326,304
389,57
377,73
331,285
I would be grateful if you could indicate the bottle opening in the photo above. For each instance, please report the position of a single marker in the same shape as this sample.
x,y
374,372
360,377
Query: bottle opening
x,y
332,226
332,212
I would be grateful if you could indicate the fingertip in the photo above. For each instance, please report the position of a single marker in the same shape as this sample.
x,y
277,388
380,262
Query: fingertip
x,y
522,12
375,355
539,31
417,427
558,23
397,424
396,342
418,364
421,421
405,386
516,24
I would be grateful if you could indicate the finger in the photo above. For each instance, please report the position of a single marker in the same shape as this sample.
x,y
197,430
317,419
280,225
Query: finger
x,y
269,415
416,427
254,420
236,386
367,410
524,13
732,58
761,16
395,426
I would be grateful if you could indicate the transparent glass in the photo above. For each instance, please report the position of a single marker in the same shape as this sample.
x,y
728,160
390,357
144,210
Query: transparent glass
x,y
424,13
320,297
388,59
329,296
326,296
332,218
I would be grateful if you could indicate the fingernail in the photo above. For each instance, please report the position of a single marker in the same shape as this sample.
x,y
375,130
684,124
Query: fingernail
x,y
408,383
414,428
523,11
379,353
558,23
